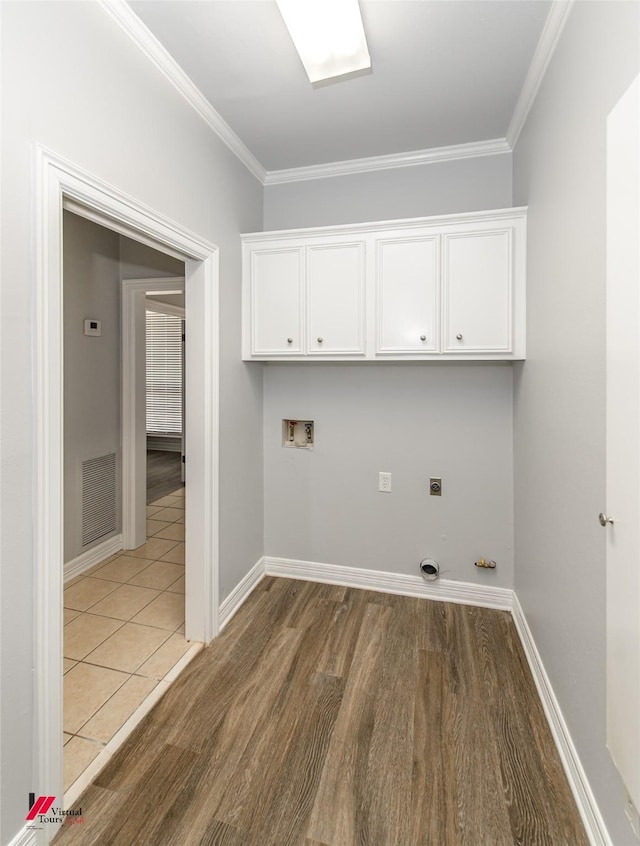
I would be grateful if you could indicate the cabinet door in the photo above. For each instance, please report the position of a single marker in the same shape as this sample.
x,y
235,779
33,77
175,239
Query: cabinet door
x,y
478,272
335,274
277,301
407,295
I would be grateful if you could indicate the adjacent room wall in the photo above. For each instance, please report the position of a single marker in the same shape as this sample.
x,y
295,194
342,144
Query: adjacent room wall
x,y
414,420
73,81
137,261
91,364
559,171
95,260
463,185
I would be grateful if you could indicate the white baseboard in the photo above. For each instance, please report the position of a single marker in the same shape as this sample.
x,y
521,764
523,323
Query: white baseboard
x,y
444,590
240,593
582,793
92,557
25,837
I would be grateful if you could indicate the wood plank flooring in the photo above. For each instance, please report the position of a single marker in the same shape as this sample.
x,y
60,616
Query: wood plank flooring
x,y
163,473
327,716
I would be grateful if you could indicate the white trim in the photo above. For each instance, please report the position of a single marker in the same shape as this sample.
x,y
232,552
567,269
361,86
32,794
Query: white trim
x,y
491,216
48,515
88,775
25,837
133,495
580,787
55,179
474,149
241,592
92,556
173,673
102,219
148,44
443,590
163,308
133,431
144,39
556,19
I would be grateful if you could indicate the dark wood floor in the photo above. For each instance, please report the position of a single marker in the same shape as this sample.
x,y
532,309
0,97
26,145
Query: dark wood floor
x,y
163,473
326,716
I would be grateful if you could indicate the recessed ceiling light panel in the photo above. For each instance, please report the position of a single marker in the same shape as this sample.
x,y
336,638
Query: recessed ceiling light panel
x,y
328,35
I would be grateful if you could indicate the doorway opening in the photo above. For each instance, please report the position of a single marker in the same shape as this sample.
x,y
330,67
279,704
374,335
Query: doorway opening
x,y
60,185
153,399
124,609
165,397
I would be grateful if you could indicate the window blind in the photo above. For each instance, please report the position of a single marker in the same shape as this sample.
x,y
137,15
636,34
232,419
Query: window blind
x,y
164,373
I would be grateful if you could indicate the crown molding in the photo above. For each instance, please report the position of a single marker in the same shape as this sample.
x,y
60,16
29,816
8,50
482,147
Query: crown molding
x,y
144,39
556,19
396,225
474,149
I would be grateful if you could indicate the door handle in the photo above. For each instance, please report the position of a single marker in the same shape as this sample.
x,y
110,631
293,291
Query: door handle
x,y
604,519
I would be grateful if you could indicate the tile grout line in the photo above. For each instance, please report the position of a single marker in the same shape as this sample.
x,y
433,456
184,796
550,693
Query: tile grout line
x,y
130,676
173,671
93,768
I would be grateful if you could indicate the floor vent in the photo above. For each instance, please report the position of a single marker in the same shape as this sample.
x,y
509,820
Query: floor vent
x,y
99,517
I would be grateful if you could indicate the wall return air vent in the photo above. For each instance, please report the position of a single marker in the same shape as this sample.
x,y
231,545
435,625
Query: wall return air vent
x,y
99,498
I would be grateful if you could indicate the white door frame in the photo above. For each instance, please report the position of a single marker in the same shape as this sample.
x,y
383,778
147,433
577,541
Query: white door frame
x,y
61,184
134,447
622,506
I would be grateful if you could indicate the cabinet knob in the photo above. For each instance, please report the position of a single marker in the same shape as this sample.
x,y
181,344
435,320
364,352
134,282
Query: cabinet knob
x,y
289,340
459,337
319,340
423,337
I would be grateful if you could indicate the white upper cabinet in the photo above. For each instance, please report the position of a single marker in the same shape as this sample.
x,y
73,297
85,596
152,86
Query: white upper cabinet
x,y
335,296
277,301
477,288
407,282
430,288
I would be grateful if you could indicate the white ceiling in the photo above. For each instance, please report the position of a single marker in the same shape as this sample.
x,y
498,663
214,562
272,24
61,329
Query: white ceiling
x,y
444,72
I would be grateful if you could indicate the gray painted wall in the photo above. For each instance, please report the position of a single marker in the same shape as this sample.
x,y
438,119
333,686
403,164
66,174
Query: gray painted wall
x,y
95,260
440,188
415,421
121,120
137,261
559,171
106,120
166,299
91,365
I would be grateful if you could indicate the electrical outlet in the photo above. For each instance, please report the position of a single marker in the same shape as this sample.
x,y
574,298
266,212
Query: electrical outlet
x,y
384,482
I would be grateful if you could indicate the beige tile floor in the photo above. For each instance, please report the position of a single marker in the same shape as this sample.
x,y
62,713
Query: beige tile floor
x,y
124,631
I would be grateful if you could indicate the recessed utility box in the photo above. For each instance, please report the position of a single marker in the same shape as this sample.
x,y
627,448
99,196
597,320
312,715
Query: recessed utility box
x,y
297,434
